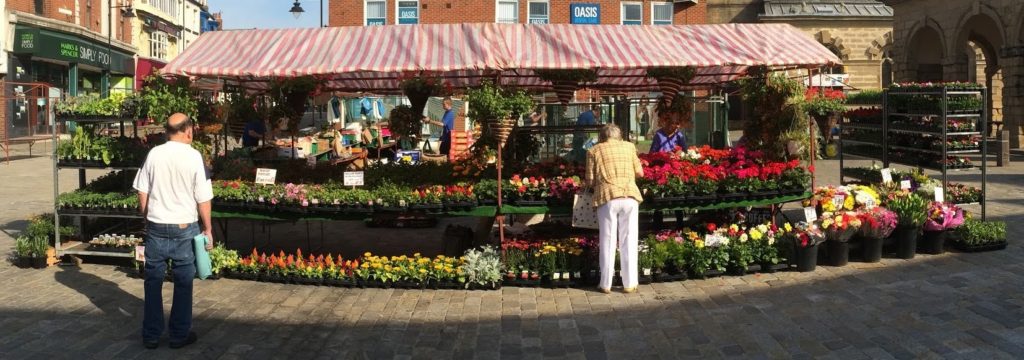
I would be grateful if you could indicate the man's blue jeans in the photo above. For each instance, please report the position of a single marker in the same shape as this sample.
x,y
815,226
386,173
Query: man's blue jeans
x,y
169,242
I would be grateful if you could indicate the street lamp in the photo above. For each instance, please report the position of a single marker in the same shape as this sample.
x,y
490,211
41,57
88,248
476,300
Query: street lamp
x,y
296,10
127,12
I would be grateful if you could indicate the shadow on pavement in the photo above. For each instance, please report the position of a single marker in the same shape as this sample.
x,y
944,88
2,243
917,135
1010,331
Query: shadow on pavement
x,y
104,294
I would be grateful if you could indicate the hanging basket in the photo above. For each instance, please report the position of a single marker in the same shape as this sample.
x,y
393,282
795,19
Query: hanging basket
x,y
670,87
565,90
501,129
671,79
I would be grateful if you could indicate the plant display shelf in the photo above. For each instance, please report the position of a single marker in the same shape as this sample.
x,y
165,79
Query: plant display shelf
x,y
859,142
84,215
942,114
80,248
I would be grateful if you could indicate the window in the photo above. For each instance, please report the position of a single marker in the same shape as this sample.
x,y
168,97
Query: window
x,y
170,7
508,12
632,14
661,13
408,12
376,12
158,44
538,12
39,6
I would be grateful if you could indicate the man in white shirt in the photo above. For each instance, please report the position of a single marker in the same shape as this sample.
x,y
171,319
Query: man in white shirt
x,y
174,193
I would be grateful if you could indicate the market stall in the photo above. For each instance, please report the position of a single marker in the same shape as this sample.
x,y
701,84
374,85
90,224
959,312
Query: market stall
x,y
497,61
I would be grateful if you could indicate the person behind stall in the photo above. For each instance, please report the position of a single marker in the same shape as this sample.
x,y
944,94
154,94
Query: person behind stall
x,y
254,132
447,124
538,117
643,119
579,137
670,136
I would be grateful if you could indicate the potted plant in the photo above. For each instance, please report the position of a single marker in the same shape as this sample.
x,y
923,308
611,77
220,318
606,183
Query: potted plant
x,y
876,224
838,228
911,211
39,246
765,247
740,253
23,252
976,235
941,219
806,237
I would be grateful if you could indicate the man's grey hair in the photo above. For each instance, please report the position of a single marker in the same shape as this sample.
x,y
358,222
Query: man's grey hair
x,y
609,132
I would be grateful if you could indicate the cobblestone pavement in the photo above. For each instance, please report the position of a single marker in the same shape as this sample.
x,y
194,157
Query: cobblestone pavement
x,y
947,306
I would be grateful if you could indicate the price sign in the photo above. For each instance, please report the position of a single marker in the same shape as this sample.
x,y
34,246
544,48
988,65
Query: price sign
x,y
905,184
140,253
266,176
886,176
353,178
838,201
810,215
940,196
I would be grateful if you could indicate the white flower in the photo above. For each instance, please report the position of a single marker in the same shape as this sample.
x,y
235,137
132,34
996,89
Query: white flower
x,y
771,240
743,238
762,228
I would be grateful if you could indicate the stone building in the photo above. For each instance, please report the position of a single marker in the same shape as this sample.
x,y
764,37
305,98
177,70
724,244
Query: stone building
x,y
859,31
954,40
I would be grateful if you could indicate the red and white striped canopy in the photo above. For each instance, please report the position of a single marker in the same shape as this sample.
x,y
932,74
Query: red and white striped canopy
x,y
373,58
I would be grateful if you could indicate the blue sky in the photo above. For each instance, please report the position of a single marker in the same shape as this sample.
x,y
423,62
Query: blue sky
x,y
267,14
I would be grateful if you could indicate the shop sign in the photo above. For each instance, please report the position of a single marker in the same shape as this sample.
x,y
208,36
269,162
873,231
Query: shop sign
x,y
585,13
160,25
266,176
352,178
57,46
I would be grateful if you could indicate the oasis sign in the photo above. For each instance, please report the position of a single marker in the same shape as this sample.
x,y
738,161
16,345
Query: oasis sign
x,y
582,13
57,46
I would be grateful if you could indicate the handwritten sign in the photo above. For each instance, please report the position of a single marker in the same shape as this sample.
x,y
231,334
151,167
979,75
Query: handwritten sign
x,y
838,201
940,195
905,184
266,176
353,178
810,215
886,176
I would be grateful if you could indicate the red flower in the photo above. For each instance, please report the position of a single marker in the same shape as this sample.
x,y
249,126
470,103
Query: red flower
x,y
712,227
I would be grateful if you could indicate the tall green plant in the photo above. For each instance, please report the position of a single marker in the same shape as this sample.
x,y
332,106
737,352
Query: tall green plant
x,y
911,209
163,97
491,102
779,124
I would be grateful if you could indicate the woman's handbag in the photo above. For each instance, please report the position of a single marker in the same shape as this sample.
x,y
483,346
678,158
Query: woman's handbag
x,y
583,213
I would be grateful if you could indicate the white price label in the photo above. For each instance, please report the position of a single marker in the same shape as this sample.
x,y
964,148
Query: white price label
x,y
886,176
266,176
140,253
905,184
940,196
810,215
838,201
353,178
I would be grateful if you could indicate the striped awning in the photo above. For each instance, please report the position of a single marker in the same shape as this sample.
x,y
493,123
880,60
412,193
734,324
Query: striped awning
x,y
374,58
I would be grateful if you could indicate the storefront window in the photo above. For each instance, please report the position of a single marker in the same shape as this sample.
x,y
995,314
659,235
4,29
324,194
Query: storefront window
x,y
168,6
158,44
661,13
376,12
632,14
508,12
408,12
539,12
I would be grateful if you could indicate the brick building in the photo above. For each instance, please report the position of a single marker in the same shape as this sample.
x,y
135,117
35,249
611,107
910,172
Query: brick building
x,y
68,44
979,41
389,12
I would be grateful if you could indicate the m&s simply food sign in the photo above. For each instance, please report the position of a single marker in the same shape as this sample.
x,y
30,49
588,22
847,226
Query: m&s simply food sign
x,y
584,13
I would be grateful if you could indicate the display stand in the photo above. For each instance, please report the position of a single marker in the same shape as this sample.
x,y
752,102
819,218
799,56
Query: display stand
x,y
76,248
895,123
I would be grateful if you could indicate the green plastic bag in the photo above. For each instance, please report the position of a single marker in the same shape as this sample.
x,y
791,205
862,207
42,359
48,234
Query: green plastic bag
x,y
203,266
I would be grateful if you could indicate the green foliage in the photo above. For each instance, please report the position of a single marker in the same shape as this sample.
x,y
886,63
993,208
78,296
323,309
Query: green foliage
x,y
779,117
23,246
162,97
222,258
822,106
911,209
976,232
865,97
405,123
482,267
42,226
492,102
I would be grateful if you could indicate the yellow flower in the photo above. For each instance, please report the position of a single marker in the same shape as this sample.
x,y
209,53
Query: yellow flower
x,y
367,254
788,227
699,243
423,271
756,234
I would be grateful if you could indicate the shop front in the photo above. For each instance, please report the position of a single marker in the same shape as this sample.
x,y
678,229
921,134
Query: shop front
x,y
69,64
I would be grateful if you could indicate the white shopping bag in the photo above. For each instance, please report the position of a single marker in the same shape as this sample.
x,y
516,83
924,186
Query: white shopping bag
x,y
583,213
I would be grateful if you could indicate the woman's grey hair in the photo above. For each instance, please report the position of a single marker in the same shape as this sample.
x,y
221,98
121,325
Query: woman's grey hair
x,y
609,132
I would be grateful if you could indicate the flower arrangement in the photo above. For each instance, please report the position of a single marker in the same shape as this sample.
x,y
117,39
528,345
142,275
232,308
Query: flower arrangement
x,y
877,223
829,199
805,234
911,209
942,216
823,101
840,226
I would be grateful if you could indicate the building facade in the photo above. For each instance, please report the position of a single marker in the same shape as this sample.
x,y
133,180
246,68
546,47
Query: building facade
x,y
978,41
210,21
69,45
163,29
390,12
858,31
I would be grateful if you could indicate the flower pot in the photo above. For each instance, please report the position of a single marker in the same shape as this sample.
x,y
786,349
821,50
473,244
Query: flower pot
x,y
806,258
24,262
906,241
767,267
736,270
871,250
838,253
39,263
933,242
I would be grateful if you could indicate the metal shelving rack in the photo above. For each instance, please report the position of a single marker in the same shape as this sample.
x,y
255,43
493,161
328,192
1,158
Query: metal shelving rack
x,y
943,115
75,248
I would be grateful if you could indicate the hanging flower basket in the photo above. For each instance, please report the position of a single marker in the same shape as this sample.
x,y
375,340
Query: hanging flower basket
x,y
671,79
501,129
565,82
